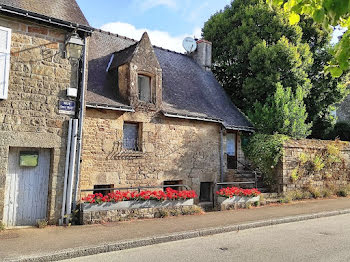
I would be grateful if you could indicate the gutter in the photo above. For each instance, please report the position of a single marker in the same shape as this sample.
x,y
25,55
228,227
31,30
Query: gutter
x,y
44,19
207,119
115,108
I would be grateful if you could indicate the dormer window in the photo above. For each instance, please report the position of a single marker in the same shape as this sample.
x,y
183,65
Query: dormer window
x,y
145,90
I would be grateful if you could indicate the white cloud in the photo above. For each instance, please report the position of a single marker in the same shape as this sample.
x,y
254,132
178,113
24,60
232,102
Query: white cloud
x,y
149,4
158,38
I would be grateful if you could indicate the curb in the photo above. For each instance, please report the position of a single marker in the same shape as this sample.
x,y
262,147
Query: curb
x,y
117,246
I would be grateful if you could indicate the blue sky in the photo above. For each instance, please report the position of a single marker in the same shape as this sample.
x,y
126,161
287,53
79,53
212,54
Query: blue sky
x,y
167,21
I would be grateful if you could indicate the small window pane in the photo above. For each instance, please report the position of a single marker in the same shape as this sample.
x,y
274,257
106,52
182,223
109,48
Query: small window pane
x,y
144,83
130,136
231,144
3,40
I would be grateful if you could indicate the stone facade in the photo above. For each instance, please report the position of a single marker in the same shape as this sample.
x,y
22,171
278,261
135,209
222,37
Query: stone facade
x,y
300,155
172,150
39,77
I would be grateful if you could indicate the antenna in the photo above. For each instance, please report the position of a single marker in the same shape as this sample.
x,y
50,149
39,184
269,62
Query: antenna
x,y
189,44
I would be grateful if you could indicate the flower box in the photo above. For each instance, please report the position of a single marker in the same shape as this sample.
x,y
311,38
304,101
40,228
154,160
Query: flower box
x,y
237,199
233,197
132,204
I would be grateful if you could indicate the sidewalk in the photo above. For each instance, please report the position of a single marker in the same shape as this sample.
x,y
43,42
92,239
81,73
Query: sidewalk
x,y
18,244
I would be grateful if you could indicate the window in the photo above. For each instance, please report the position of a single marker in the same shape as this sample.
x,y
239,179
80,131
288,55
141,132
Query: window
x,y
5,46
144,84
205,194
231,151
171,183
131,136
105,189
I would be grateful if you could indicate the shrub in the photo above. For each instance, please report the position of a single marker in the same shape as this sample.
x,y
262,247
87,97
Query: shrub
x,y
341,130
265,152
318,163
2,226
190,210
343,192
314,192
326,192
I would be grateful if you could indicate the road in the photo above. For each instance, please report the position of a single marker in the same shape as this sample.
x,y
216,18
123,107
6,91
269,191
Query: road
x,y
324,239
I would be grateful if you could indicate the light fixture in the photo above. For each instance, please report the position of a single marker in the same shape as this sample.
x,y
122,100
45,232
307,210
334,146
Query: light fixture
x,y
74,46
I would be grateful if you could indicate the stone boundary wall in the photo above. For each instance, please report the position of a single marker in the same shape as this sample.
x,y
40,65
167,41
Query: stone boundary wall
x,y
98,217
299,162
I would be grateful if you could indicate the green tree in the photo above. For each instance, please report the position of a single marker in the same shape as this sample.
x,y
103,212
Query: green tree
x,y
326,91
328,13
255,47
284,113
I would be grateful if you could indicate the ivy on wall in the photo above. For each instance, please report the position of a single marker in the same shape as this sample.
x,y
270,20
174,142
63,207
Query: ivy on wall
x,y
322,163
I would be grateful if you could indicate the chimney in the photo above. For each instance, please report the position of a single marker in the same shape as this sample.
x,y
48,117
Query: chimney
x,y
202,55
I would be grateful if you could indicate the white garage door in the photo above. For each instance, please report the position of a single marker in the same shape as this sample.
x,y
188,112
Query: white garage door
x,y
26,186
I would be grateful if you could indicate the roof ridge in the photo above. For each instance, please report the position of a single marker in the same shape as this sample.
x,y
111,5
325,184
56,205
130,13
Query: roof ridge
x,y
117,35
136,41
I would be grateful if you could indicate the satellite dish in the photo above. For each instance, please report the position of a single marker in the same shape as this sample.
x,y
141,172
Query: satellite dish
x,y
189,44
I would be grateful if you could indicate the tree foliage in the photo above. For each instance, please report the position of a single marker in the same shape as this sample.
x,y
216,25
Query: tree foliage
x,y
284,113
329,13
255,48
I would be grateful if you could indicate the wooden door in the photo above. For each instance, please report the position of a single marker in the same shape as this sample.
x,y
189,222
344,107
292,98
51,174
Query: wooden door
x,y
26,188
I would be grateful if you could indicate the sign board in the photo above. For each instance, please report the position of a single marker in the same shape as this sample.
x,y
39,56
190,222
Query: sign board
x,y
28,159
66,107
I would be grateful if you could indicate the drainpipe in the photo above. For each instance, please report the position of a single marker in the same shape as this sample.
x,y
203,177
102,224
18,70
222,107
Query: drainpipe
x,y
72,160
66,172
221,155
80,119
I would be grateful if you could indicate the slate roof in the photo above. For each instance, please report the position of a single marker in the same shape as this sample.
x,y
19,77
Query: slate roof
x,y
66,10
188,90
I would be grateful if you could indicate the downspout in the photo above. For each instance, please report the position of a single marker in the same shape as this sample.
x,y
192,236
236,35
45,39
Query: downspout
x,y
66,172
80,119
221,155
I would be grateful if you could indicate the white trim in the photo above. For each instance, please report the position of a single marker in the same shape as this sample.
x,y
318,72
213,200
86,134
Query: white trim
x,y
110,63
115,108
4,88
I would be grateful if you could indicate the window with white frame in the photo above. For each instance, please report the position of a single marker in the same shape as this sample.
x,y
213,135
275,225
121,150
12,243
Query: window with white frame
x,y
145,90
5,45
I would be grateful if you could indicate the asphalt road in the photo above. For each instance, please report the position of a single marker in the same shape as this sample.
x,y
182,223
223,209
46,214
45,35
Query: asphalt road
x,y
324,239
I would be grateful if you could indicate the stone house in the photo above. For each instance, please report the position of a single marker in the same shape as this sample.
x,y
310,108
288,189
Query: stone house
x,y
35,75
156,117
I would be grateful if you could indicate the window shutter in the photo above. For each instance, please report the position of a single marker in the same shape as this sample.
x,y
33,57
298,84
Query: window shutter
x,y
5,46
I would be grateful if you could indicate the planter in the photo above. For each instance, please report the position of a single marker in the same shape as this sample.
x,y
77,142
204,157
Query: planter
x,y
134,209
235,201
133,204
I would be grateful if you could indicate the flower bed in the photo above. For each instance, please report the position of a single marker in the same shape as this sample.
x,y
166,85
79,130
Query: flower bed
x,y
118,205
158,195
233,197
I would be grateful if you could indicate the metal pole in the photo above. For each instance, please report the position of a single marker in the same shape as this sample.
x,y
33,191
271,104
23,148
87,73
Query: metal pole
x,y
66,170
81,120
221,155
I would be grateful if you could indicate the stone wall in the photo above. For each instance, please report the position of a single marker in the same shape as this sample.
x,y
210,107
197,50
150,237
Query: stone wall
x,y
98,217
172,149
39,76
314,163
